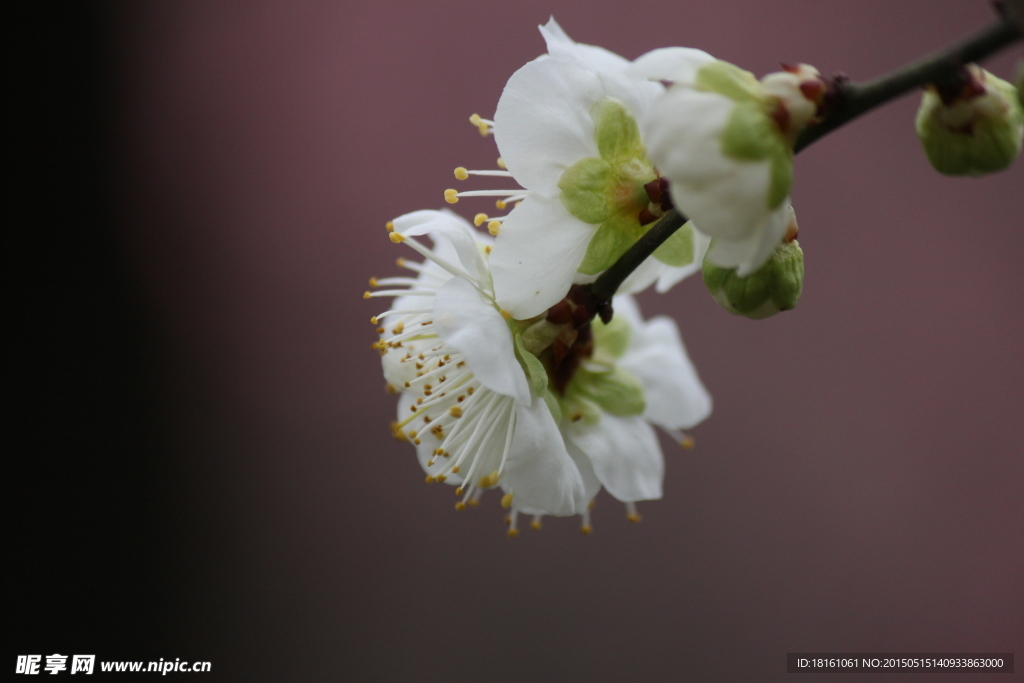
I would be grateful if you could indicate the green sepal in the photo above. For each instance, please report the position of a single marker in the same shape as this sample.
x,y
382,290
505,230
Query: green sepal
x,y
751,135
615,131
774,287
554,405
729,81
611,338
612,239
615,391
532,366
587,190
678,249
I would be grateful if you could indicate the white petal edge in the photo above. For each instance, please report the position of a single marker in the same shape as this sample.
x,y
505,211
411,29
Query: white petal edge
x,y
625,454
536,255
676,64
542,124
674,395
539,471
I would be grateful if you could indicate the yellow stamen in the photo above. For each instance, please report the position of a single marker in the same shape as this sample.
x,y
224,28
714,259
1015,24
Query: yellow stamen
x,y
536,525
451,196
390,388
397,237
461,173
513,533
390,226
634,517
586,529
455,411
430,479
501,204
460,506
501,163
479,219
688,443
506,501
494,227
366,295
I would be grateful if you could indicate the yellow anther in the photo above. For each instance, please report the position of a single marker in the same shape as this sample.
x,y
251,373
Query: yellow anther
x,y
494,227
493,477
586,529
461,173
688,443
470,390
397,329
366,295
475,502
378,345
396,431
475,119
451,196
487,249
397,237
458,491
390,388
441,478
484,130
501,204
373,320
536,525
506,501
373,282
501,163
455,470
460,505
430,463
390,226
400,262
505,314
634,517
412,435
455,411
479,219
485,481
513,533
438,451
380,330
416,441
430,479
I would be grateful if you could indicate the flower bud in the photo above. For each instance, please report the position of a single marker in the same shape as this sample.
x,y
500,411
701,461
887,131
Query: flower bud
x,y
775,287
975,128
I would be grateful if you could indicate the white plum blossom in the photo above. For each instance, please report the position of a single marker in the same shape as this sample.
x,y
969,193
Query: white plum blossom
x,y
566,129
550,409
724,141
466,401
637,375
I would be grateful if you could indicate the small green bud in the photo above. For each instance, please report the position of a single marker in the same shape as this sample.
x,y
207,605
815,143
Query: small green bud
x,y
775,287
973,131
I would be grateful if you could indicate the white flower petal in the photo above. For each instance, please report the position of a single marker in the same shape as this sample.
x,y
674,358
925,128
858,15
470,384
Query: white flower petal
x,y
536,255
468,322
542,124
561,45
456,231
539,471
676,64
625,454
751,252
675,397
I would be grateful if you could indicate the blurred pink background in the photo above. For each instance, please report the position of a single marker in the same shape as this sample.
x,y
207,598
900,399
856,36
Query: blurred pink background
x,y
857,488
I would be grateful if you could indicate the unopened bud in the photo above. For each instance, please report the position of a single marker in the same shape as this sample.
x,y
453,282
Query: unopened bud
x,y
972,131
799,91
775,287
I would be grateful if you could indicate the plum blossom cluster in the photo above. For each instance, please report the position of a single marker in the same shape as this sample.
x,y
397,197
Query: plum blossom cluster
x,y
512,374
